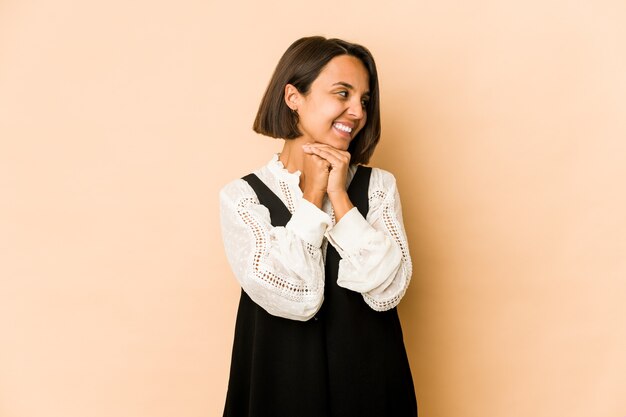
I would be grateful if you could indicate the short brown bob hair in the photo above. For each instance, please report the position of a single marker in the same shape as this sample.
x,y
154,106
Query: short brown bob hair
x,y
299,66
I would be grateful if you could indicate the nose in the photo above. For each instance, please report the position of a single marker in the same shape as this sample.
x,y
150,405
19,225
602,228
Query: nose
x,y
356,109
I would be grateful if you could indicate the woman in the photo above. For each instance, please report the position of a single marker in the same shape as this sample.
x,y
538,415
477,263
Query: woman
x,y
317,243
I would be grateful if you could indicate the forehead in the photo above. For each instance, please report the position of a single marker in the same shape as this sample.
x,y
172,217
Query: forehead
x,y
346,69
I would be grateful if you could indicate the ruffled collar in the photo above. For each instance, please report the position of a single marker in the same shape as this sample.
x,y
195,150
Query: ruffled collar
x,y
279,170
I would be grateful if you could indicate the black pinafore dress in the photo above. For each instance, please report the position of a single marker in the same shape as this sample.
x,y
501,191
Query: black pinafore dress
x,y
347,361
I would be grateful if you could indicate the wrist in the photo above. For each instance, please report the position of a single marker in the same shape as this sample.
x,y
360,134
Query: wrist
x,y
314,197
341,203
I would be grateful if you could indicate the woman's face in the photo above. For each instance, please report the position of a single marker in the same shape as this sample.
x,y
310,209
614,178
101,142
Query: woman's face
x,y
333,111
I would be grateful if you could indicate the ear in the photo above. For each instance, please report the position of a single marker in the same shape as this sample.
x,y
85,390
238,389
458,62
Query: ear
x,y
292,97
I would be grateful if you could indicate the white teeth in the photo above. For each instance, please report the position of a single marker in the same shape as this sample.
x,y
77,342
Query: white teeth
x,y
343,127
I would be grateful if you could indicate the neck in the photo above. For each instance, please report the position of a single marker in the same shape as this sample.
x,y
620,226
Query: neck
x,y
292,155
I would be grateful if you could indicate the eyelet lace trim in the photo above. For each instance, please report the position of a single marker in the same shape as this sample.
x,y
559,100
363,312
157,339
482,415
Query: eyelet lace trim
x,y
264,274
284,188
394,229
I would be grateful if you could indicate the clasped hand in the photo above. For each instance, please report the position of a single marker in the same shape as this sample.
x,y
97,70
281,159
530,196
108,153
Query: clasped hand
x,y
325,172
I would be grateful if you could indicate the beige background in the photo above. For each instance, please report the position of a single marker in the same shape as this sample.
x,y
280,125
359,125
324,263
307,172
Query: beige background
x,y
504,123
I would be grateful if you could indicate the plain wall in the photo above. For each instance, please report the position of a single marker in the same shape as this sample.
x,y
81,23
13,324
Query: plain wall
x,y
504,123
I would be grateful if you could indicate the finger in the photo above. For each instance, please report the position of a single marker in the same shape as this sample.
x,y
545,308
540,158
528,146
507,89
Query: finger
x,y
315,157
321,149
319,153
333,156
321,145
337,152
320,161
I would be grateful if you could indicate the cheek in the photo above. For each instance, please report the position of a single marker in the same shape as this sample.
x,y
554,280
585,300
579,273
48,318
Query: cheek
x,y
363,123
333,110
322,112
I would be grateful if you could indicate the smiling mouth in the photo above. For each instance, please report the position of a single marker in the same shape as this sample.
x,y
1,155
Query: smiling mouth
x,y
342,127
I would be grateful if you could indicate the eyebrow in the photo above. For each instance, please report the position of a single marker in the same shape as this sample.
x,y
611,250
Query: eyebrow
x,y
350,87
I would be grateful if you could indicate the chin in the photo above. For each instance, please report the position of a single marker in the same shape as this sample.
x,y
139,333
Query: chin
x,y
338,143
342,145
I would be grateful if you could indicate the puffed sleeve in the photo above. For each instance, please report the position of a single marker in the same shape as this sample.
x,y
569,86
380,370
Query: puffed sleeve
x,y
280,268
375,259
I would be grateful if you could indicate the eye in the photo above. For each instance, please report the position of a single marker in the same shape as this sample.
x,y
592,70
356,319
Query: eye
x,y
365,102
343,93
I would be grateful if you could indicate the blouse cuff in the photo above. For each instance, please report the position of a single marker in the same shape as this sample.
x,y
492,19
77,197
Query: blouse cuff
x,y
309,223
347,235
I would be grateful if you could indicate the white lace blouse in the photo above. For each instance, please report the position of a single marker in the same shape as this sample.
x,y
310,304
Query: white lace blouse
x,y
282,268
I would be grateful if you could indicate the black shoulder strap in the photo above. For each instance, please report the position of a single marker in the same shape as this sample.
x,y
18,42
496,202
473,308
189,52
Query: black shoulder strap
x,y
279,214
358,191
